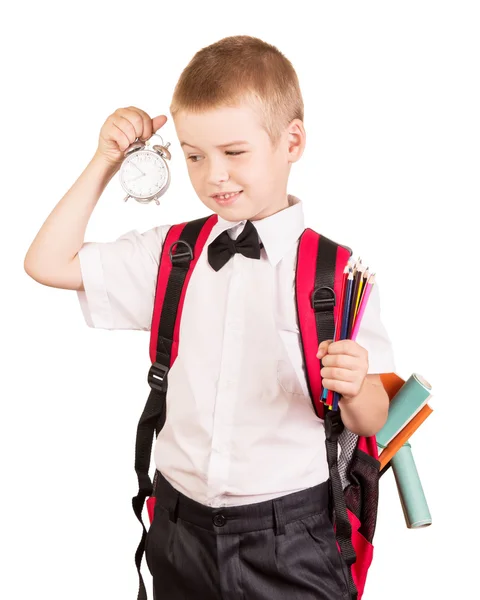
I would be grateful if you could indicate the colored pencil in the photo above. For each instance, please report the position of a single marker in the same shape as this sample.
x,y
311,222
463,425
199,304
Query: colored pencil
x,y
363,283
344,330
337,329
356,287
363,305
348,268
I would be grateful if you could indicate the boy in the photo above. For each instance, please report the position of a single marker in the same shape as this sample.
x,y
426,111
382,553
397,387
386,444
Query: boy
x,y
241,509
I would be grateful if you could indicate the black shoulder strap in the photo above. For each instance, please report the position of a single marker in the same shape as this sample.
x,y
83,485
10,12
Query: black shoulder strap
x,y
154,413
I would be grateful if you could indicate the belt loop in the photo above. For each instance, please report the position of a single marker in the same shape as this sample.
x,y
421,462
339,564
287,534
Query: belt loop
x,y
173,508
278,516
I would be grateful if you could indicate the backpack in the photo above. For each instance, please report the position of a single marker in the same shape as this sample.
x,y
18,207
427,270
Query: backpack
x,y
354,476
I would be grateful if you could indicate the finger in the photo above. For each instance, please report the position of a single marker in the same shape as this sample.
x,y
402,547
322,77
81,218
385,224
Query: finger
x,y
125,125
337,374
346,347
323,348
147,123
132,114
122,132
159,122
343,361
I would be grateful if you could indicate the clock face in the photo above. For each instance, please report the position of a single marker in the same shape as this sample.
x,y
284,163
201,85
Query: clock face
x,y
143,174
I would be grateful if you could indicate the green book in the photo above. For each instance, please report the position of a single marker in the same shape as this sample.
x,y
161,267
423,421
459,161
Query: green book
x,y
412,497
407,402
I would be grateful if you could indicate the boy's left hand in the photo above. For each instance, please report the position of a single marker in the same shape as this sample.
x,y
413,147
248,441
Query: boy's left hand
x,y
345,367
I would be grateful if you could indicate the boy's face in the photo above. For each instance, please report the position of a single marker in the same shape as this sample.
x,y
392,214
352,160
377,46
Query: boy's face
x,y
260,171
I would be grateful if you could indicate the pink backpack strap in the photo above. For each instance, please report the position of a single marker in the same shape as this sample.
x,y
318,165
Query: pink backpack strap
x,y
176,245
181,250
317,258
319,273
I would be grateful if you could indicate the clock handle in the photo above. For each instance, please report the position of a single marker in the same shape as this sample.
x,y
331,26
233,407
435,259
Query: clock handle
x,y
134,146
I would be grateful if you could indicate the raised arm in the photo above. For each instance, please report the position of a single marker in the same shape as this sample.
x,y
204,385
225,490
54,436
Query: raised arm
x,y
52,258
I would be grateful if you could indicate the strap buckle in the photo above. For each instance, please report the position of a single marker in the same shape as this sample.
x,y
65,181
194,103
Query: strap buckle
x,y
325,303
157,377
182,257
333,425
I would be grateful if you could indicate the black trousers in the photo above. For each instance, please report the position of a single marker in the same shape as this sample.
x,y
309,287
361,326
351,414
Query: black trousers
x,y
281,549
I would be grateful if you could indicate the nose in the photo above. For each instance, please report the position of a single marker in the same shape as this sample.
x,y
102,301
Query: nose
x,y
217,172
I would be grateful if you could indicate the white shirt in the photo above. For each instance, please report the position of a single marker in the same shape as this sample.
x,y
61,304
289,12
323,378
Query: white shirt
x,y
240,424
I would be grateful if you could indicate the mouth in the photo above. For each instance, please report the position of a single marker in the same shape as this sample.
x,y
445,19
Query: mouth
x,y
225,201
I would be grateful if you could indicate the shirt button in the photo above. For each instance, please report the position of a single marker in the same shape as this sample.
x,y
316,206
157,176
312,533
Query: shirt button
x,y
219,520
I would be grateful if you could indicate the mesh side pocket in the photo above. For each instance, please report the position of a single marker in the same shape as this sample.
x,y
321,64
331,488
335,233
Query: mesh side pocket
x,y
361,496
347,442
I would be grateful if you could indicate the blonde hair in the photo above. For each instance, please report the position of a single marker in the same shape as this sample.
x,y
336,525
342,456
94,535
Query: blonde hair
x,y
241,68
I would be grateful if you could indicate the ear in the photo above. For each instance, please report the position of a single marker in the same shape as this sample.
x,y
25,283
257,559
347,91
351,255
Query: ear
x,y
296,140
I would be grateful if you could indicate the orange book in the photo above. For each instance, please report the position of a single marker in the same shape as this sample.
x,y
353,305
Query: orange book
x,y
392,383
404,435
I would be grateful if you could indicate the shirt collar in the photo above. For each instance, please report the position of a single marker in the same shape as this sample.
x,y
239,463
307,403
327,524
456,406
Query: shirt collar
x,y
278,232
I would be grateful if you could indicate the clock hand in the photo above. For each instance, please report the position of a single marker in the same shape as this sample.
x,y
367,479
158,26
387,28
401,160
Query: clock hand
x,y
135,178
132,163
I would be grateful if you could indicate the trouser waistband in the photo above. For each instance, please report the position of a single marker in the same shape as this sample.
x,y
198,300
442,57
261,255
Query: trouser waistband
x,y
273,513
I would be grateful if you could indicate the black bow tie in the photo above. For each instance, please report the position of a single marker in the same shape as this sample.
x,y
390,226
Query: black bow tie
x,y
223,247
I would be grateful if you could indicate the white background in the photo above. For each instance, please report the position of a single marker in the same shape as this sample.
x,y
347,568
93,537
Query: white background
x,y
391,93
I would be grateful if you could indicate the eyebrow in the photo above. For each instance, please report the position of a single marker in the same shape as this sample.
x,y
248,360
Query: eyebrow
x,y
221,145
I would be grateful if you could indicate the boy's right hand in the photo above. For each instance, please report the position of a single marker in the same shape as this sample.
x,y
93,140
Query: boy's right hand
x,y
122,128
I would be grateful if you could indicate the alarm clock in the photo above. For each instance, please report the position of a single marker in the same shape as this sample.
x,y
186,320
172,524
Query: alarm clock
x,y
144,172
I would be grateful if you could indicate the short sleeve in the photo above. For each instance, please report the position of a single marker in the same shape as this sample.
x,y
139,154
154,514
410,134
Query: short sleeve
x,y
373,336
119,279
